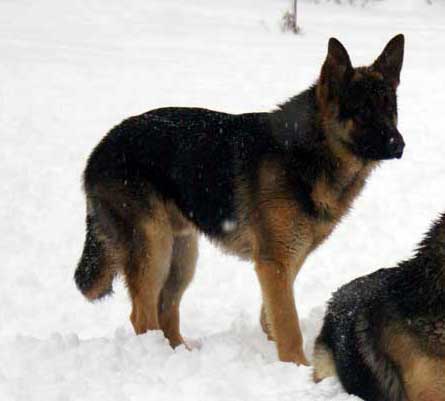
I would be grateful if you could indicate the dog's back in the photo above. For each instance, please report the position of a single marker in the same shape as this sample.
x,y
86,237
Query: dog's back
x,y
189,156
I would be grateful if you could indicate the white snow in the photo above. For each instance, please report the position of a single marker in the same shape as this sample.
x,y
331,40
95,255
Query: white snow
x,y
71,70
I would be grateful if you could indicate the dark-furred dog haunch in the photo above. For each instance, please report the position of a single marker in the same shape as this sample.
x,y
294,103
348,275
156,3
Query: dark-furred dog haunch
x,y
268,187
384,334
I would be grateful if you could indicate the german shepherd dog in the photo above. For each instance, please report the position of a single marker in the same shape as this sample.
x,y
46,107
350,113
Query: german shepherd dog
x,y
384,334
268,187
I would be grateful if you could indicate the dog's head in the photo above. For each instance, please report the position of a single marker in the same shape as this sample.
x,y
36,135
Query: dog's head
x,y
359,105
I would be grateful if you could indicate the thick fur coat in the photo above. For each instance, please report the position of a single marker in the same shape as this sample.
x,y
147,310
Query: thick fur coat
x,y
268,187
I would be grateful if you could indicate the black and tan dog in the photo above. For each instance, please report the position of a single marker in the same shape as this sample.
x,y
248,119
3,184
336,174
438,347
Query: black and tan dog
x,y
384,334
269,187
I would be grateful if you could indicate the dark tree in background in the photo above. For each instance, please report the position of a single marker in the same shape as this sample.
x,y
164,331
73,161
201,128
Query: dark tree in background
x,y
289,20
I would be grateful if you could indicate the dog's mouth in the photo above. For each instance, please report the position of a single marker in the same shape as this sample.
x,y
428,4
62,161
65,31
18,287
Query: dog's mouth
x,y
389,156
399,155
393,155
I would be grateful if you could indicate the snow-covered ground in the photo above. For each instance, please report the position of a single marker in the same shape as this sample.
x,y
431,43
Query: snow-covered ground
x,y
71,70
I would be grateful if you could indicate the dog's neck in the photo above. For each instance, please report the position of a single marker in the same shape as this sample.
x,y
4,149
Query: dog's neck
x,y
296,122
301,123
335,174
300,127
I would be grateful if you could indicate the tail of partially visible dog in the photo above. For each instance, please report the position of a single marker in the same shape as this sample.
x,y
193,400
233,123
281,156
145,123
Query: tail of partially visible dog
x,y
101,257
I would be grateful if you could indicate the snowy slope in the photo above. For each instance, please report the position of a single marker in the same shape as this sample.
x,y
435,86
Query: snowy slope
x,y
71,70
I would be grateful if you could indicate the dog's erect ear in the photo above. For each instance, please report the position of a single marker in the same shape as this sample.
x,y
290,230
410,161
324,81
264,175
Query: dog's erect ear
x,y
337,68
389,63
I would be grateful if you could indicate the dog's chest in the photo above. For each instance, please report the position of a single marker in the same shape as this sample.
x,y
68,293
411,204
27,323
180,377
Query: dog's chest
x,y
321,231
333,196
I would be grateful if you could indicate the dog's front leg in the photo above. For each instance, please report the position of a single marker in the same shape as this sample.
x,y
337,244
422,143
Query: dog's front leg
x,y
276,280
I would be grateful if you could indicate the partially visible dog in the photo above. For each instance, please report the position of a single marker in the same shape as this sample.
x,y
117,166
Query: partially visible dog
x,y
384,334
269,187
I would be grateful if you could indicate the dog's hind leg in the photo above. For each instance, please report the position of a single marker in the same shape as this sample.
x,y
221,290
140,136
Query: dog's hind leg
x,y
182,269
148,269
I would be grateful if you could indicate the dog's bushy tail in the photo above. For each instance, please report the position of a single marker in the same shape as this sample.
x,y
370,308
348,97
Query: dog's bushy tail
x,y
98,264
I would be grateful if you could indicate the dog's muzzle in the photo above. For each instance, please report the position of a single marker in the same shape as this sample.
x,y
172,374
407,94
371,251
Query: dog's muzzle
x,y
395,146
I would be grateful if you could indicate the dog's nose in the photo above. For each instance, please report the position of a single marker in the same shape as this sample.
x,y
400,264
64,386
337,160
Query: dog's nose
x,y
396,146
